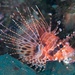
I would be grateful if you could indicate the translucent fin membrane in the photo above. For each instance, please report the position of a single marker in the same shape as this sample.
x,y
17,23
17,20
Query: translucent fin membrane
x,y
42,16
34,25
25,22
43,22
23,30
15,33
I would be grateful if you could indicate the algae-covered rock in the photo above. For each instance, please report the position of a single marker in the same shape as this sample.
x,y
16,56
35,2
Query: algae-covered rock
x,y
11,66
58,68
69,18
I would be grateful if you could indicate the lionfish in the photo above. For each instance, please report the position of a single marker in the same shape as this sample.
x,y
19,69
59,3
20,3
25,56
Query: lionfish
x,y
37,43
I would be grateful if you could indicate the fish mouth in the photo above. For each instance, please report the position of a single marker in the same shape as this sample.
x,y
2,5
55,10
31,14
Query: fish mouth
x,y
70,59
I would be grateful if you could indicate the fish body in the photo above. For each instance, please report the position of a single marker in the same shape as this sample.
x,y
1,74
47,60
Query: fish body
x,y
47,47
37,43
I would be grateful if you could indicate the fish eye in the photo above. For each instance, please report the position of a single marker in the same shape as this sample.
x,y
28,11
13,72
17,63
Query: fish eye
x,y
60,45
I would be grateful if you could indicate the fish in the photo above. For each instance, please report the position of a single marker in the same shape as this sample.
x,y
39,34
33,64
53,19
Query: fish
x,y
35,42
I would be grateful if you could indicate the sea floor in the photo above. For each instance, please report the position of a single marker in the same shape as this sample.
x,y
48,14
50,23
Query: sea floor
x,y
11,66
56,68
